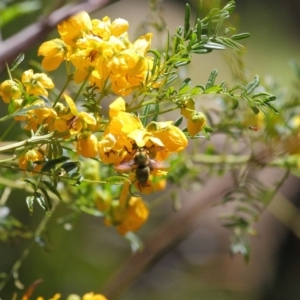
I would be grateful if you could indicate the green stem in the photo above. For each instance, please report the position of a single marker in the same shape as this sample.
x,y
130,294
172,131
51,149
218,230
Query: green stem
x,y
160,113
8,71
103,93
8,129
81,87
32,140
62,90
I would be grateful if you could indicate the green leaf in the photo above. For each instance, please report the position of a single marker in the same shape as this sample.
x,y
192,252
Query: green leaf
x,y
29,202
214,90
255,109
40,199
270,98
235,104
182,62
47,201
199,29
145,113
227,42
251,86
17,61
186,28
176,42
172,78
206,131
156,112
197,89
220,23
186,83
78,180
50,164
211,79
70,166
30,183
184,90
237,87
52,189
201,51
214,46
240,36
178,121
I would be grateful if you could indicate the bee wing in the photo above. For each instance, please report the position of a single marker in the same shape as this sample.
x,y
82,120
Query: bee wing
x,y
125,167
155,165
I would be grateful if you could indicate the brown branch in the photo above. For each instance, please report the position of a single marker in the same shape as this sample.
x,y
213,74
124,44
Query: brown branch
x,y
21,41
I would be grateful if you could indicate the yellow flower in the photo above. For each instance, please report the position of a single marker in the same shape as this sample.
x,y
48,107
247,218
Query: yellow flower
x,y
118,27
196,123
36,84
90,59
74,28
43,115
74,121
136,214
55,297
29,159
171,136
142,44
92,296
159,184
115,107
114,141
128,218
87,145
54,52
101,28
9,89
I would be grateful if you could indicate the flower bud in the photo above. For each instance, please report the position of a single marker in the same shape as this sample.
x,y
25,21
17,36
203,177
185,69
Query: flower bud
x,y
9,89
87,145
27,161
188,106
196,123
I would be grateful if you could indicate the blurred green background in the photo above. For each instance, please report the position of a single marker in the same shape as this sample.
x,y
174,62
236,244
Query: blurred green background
x,y
199,266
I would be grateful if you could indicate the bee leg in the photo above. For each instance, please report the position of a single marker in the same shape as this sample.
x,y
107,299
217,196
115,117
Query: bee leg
x,y
130,191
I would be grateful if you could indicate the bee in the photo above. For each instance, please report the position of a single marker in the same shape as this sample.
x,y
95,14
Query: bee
x,y
142,165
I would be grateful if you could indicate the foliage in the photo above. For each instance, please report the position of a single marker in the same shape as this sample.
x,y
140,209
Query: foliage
x,y
100,142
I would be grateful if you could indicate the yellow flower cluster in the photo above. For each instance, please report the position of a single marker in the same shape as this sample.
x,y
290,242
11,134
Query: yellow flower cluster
x,y
100,57
100,51
129,146
27,94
